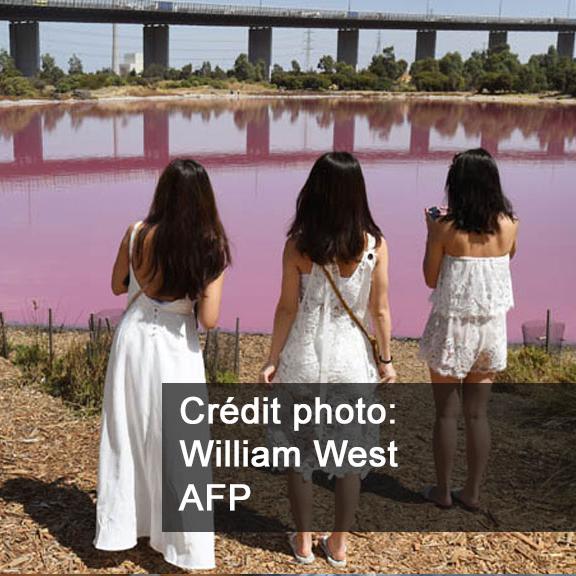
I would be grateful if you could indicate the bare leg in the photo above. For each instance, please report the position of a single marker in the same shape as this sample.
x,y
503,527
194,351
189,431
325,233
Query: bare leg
x,y
300,495
347,498
447,401
477,388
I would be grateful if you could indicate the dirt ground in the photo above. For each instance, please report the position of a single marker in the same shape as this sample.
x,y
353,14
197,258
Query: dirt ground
x,y
48,460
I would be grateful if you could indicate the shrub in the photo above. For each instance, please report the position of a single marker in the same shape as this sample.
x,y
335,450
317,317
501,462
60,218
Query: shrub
x,y
16,86
535,366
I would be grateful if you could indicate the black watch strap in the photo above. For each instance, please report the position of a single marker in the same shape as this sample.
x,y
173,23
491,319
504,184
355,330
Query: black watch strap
x,y
383,361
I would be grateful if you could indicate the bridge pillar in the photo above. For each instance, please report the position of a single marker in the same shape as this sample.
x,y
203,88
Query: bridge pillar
x,y
157,135
28,142
348,41
156,45
25,46
565,44
425,44
419,140
260,47
344,134
258,134
497,39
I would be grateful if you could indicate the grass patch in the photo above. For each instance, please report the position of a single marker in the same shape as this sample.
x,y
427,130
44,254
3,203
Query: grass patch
x,y
535,366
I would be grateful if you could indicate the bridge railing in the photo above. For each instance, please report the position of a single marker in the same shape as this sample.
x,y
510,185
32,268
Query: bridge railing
x,y
252,11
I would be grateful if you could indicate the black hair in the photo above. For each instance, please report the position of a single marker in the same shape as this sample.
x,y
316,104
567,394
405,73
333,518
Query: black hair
x,y
189,246
332,212
476,201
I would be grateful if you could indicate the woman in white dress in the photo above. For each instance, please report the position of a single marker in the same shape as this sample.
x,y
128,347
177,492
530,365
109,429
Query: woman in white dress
x,y
467,263
315,339
171,265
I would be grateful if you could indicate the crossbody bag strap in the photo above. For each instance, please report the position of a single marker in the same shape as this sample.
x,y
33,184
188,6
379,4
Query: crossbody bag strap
x,y
345,305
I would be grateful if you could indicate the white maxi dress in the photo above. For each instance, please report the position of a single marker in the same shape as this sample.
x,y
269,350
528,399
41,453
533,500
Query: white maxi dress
x,y
155,342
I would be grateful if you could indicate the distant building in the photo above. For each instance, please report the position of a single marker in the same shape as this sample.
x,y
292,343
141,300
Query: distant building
x,y
133,62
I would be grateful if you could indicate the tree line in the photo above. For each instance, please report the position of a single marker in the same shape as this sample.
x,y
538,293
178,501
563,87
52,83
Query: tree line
x,y
497,70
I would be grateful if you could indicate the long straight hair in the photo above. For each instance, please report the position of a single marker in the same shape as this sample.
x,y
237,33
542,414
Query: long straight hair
x,y
189,247
332,212
476,201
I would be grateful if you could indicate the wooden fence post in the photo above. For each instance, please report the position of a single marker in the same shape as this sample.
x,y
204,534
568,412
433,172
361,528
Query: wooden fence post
x,y
237,350
3,337
50,339
548,325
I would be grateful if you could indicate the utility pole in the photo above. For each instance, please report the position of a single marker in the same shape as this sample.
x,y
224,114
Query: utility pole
x,y
500,9
308,49
379,43
115,50
569,9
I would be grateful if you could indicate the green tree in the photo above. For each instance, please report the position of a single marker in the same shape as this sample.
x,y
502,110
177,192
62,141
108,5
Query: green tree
x,y
219,73
327,65
296,68
451,66
474,69
205,70
186,71
386,66
243,68
49,71
7,65
75,65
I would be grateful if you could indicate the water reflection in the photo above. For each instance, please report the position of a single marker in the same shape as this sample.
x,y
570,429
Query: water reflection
x,y
72,176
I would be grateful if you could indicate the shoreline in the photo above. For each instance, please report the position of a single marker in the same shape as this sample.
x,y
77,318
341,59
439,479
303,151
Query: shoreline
x,y
105,97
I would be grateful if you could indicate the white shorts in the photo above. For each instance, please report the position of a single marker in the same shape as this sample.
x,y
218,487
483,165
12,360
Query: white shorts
x,y
455,347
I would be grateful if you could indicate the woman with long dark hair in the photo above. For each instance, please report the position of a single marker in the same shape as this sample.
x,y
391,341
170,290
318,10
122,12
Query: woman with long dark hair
x,y
171,264
467,263
335,279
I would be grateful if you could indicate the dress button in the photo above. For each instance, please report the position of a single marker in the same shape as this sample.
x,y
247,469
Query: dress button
x,y
370,256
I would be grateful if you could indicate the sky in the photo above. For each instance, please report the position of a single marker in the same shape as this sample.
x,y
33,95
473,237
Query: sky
x,y
93,42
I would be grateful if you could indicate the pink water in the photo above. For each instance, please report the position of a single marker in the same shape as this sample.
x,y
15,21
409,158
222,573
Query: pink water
x,y
73,177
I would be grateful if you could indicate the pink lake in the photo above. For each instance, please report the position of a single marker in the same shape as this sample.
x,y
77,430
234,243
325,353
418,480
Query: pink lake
x,y
72,177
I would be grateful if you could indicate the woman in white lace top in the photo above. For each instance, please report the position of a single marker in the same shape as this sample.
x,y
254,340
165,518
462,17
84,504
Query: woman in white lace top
x,y
315,339
467,263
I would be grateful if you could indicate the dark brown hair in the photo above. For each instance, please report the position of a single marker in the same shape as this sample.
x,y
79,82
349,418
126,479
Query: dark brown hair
x,y
332,212
476,201
189,247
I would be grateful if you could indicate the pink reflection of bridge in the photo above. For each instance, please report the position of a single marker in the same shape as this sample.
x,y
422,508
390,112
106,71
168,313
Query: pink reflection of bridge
x,y
29,164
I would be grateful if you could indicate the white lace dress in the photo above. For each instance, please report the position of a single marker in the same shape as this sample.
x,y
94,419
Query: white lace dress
x,y
466,331
155,342
326,348
324,345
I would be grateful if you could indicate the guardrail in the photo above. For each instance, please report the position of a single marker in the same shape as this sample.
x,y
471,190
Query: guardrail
x,y
225,10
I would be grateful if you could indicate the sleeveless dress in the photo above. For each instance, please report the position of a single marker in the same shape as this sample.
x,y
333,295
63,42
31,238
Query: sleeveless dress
x,y
324,345
466,331
155,342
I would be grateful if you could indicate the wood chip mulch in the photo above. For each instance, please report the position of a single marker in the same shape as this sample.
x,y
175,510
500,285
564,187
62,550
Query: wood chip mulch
x,y
48,460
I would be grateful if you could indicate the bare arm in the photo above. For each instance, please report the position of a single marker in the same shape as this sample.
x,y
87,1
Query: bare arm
x,y
380,311
121,268
286,310
434,252
209,305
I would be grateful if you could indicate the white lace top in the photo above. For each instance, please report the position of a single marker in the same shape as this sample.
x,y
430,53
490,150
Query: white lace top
x,y
473,288
325,345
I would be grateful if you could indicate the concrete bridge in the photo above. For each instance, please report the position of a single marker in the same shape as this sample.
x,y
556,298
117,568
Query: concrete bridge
x,y
157,17
30,166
